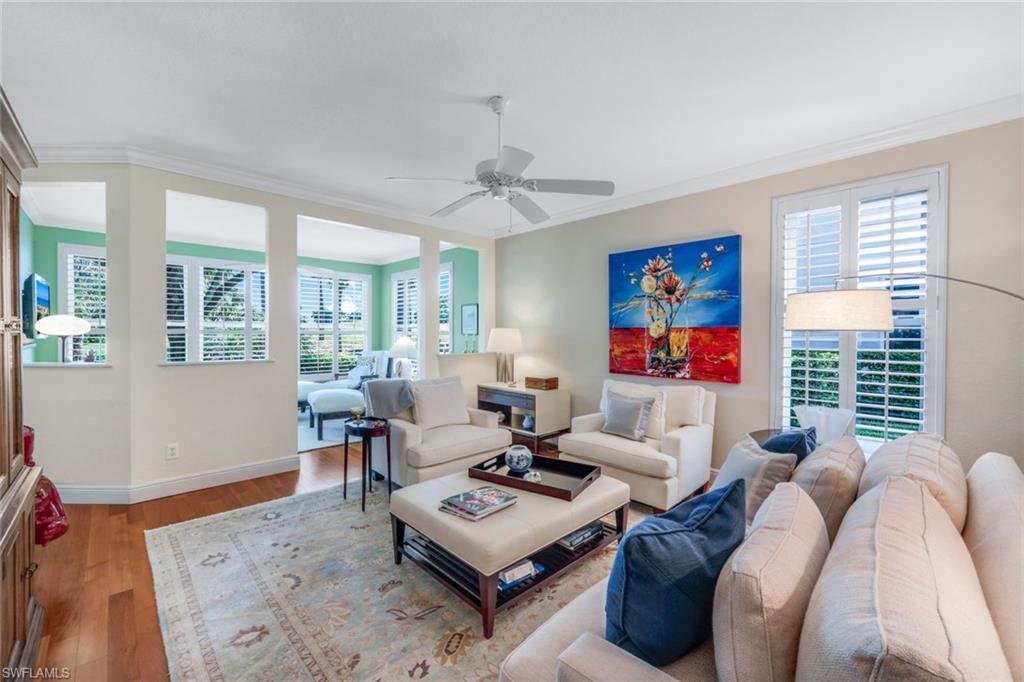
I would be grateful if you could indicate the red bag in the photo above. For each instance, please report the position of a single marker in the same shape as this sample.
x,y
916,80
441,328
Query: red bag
x,y
28,437
51,519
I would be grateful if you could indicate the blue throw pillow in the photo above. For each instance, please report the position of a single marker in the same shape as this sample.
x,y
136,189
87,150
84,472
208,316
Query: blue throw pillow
x,y
801,442
662,587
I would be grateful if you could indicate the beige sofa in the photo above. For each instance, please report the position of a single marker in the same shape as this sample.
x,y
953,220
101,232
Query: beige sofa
x,y
675,458
899,594
422,452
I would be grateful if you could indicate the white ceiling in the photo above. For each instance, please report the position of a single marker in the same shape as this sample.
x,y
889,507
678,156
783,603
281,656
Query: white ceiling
x,y
216,222
334,97
72,205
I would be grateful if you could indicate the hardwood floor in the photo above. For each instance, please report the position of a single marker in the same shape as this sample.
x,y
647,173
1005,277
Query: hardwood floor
x,y
96,583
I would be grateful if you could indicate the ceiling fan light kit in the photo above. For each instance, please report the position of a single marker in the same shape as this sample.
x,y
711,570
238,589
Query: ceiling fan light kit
x,y
502,178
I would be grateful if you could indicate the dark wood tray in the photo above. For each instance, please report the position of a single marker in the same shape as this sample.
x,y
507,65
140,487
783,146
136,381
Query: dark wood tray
x,y
559,478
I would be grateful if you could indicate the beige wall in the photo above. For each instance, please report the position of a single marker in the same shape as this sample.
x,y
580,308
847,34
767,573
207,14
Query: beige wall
x,y
109,426
553,284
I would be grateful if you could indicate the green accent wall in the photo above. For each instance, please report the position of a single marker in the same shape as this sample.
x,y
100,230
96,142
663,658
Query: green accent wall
x,y
41,257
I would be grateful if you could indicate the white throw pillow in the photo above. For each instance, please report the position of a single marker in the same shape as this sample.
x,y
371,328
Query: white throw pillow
x,y
656,424
364,367
439,402
760,469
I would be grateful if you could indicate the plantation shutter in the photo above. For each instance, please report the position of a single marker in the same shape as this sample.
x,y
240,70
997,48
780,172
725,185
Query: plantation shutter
x,y
176,345
811,256
406,309
316,324
87,298
444,336
257,309
222,323
353,333
887,235
892,236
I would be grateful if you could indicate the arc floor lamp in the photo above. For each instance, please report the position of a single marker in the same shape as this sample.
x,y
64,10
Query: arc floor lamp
x,y
857,310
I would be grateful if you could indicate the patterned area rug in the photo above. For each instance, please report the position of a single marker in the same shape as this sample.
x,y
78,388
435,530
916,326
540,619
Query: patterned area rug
x,y
305,588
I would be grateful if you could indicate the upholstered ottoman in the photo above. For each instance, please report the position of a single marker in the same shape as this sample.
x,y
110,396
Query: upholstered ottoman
x,y
333,403
466,556
305,388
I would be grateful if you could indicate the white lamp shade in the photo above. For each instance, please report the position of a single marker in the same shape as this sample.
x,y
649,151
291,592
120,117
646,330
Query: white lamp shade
x,y
62,325
505,340
404,348
844,310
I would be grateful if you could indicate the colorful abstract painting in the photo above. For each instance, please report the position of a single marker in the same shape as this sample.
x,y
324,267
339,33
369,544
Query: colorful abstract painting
x,y
674,311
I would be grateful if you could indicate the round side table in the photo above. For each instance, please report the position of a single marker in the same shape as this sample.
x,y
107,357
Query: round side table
x,y
367,428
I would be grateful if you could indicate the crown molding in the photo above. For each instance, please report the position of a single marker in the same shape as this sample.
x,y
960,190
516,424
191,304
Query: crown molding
x,y
50,153
996,111
989,113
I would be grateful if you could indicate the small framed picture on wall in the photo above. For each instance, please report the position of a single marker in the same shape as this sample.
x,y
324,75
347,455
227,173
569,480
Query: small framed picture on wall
x,y
470,319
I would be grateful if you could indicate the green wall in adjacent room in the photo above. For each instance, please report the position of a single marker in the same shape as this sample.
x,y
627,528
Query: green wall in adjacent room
x,y
39,255
45,243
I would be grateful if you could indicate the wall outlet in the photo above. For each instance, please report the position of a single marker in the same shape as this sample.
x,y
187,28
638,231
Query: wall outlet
x,y
172,451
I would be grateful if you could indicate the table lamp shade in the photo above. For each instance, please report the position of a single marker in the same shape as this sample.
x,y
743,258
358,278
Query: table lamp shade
x,y
62,325
857,310
404,348
505,340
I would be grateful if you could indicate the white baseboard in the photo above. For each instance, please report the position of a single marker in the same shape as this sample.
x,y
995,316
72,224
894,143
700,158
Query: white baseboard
x,y
127,494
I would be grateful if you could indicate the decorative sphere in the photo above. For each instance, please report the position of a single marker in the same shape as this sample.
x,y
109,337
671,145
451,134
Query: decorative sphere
x,y
518,458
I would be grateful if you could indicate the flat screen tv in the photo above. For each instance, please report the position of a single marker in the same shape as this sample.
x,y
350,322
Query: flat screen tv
x,y
35,303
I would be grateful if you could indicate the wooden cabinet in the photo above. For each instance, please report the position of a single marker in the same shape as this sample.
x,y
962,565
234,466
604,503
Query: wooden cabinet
x,y
528,412
21,618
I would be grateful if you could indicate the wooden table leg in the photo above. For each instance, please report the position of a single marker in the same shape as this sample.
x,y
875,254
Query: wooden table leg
x,y
362,476
344,480
387,456
622,518
368,455
397,536
488,602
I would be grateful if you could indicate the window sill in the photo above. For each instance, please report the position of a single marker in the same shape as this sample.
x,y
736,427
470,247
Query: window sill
x,y
207,363
67,365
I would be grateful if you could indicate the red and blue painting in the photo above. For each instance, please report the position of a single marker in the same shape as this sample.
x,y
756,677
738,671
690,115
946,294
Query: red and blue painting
x,y
674,311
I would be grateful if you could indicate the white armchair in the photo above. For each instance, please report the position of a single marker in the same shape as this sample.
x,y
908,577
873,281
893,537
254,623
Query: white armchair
x,y
671,463
420,454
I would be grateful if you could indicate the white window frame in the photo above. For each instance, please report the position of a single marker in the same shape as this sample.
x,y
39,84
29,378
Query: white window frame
x,y
935,180
336,275
64,250
446,267
193,309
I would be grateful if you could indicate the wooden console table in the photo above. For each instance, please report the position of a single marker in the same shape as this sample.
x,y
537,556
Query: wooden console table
x,y
549,410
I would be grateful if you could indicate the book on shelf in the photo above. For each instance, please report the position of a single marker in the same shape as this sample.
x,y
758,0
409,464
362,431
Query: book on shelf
x,y
477,504
580,537
518,574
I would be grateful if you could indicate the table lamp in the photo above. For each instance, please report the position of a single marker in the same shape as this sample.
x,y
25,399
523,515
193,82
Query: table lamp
x,y
506,342
403,349
62,326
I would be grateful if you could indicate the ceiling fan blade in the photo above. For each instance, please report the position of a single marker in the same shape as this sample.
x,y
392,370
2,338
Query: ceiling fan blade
x,y
456,205
512,161
528,208
461,182
604,188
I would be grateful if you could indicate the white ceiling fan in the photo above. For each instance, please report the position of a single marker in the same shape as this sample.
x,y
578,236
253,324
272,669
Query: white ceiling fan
x,y
502,179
